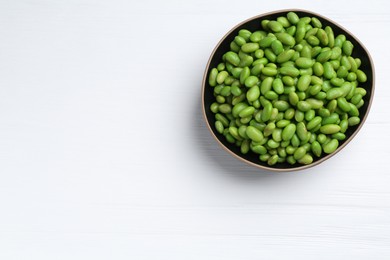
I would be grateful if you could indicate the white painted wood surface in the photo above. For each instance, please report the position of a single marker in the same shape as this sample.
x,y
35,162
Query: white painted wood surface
x,y
104,153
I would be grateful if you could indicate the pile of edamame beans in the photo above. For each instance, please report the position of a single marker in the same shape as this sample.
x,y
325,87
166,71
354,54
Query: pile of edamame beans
x,y
289,91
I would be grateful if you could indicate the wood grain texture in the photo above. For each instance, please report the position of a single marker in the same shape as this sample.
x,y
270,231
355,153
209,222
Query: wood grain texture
x,y
104,153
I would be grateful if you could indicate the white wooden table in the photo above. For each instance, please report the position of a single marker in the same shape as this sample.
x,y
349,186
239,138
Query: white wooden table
x,y
104,153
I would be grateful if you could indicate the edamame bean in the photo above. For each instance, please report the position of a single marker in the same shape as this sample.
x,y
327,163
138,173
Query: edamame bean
x,y
314,103
285,38
251,81
225,108
233,58
302,131
314,123
313,40
222,119
254,134
288,132
219,126
330,34
324,56
292,17
306,159
347,48
277,47
361,76
339,136
277,86
331,146
330,129
250,47
299,153
275,26
267,111
323,37
301,31
316,80
268,71
281,105
318,69
246,112
343,104
213,77
259,149
331,119
352,121
334,93
316,148
339,40
289,71
269,129
303,106
266,42
328,70
245,73
285,56
304,63
253,93
273,159
303,82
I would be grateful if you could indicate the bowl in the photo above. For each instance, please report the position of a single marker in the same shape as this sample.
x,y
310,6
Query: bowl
x,y
254,24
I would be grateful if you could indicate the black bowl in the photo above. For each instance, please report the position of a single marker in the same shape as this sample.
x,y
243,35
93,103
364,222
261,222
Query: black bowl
x,y
254,24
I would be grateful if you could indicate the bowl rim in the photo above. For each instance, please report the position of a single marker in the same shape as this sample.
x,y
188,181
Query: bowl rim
x,y
319,161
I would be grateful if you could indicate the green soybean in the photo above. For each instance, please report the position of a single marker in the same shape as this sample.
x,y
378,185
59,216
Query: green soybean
x,y
277,47
331,146
253,93
267,111
324,56
302,131
250,47
330,34
275,26
266,42
245,73
316,121
285,38
306,159
303,82
292,17
361,76
288,132
303,106
299,153
254,134
328,70
316,148
277,86
315,103
251,81
323,37
318,69
304,63
269,71
233,58
330,129
347,48
289,71
285,56
353,121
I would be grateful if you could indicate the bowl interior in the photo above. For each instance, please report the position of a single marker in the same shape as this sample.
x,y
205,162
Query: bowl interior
x,y
253,24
